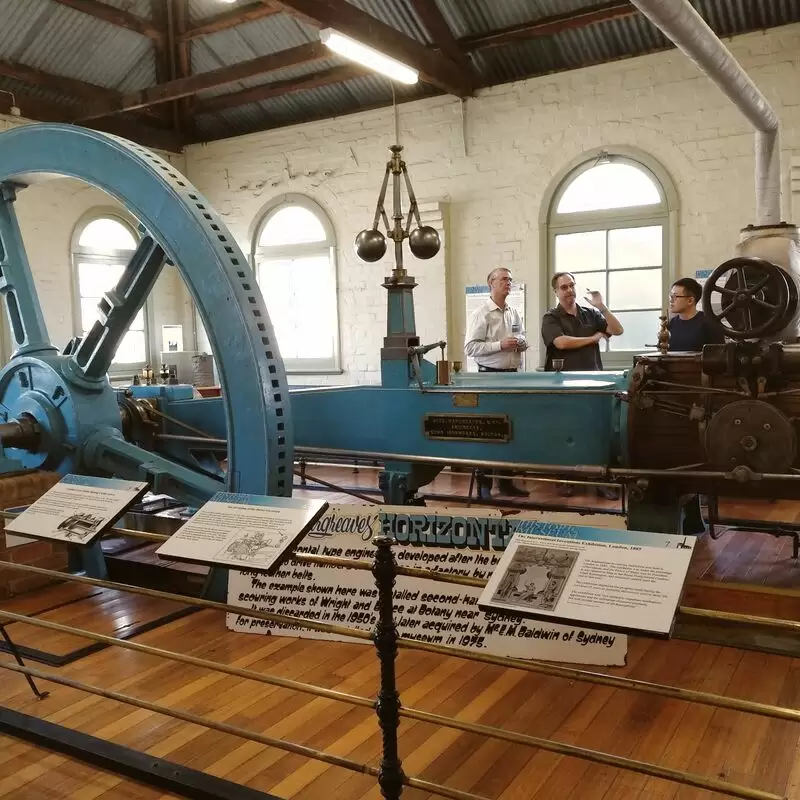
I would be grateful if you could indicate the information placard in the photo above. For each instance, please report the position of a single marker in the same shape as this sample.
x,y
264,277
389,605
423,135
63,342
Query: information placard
x,y
455,541
244,531
77,509
625,581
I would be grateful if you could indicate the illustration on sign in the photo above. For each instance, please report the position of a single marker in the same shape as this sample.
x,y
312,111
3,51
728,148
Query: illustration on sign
x,y
535,577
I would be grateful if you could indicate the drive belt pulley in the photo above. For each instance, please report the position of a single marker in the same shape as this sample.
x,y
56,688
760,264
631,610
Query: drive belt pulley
x,y
57,408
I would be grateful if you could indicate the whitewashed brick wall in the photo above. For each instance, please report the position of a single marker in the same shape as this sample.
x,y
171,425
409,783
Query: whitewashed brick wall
x,y
488,185
491,182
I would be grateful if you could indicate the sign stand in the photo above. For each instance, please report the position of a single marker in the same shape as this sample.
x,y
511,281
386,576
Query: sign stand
x,y
13,650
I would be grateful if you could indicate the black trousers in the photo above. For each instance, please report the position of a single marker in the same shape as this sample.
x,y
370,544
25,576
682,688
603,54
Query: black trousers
x,y
489,474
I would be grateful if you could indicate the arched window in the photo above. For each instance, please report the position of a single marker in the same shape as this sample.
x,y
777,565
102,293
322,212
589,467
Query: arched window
x,y
608,223
103,247
294,258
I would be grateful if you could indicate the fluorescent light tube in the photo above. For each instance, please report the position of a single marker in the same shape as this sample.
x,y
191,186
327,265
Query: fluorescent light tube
x,y
355,51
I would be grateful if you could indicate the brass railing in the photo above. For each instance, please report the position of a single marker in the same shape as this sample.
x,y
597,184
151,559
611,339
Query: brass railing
x,y
388,706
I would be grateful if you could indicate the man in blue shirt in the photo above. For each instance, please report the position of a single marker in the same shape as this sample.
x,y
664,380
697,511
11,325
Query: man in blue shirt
x,y
689,328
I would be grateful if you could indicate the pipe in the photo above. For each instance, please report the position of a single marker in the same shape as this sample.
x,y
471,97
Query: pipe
x,y
680,23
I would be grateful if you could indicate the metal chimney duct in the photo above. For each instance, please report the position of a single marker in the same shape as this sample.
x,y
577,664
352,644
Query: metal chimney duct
x,y
679,22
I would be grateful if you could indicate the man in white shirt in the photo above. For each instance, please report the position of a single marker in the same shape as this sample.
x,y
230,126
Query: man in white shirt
x,y
495,340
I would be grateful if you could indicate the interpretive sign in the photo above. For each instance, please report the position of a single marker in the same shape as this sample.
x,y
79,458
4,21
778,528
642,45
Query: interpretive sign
x,y
454,541
615,580
467,427
77,509
243,531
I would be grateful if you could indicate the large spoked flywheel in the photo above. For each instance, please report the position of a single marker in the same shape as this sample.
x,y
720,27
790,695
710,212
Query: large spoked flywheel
x,y
57,407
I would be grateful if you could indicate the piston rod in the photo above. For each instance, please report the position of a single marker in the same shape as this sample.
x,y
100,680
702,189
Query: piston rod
x,y
22,434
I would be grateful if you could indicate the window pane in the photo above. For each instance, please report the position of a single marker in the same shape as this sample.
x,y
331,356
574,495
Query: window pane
x,y
301,299
635,288
89,315
591,281
107,234
131,349
635,247
581,252
609,186
292,225
641,330
96,279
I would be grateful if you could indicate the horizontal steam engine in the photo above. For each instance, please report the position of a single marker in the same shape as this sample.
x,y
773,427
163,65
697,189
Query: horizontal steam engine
x,y
730,412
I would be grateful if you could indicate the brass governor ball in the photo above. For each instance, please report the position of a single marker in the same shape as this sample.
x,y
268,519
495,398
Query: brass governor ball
x,y
370,245
424,242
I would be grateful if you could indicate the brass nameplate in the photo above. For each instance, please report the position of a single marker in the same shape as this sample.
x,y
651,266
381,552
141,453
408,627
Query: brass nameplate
x,y
465,399
467,427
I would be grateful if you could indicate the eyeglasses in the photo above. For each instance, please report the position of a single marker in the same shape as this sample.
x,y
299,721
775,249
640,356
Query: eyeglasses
x,y
678,296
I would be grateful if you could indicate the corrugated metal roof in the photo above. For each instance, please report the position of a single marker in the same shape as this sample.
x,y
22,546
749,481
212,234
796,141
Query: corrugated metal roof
x,y
62,41
473,17
22,92
400,14
271,77
203,9
141,8
258,38
354,95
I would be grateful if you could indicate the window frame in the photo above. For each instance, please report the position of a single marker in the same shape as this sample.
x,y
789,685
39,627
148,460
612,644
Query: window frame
x,y
85,254
664,214
328,247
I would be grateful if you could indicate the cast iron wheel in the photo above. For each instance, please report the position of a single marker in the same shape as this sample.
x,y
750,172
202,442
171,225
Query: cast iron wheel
x,y
747,298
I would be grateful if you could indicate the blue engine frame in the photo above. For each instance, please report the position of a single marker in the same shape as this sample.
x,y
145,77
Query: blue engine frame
x,y
555,419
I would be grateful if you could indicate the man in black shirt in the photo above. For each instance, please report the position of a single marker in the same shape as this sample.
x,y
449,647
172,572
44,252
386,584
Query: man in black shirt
x,y
572,332
689,328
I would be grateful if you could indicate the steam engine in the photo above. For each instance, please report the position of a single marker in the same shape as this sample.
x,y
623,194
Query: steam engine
x,y
724,420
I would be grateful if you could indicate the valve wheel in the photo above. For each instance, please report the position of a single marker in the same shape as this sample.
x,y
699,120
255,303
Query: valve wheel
x,y
67,394
747,298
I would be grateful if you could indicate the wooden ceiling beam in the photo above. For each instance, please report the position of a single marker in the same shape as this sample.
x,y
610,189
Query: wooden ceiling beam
x,y
277,88
42,111
59,83
191,84
547,26
232,18
115,16
434,67
441,33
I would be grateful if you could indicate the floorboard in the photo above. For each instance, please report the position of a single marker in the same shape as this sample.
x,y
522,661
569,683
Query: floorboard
x,y
730,745
741,748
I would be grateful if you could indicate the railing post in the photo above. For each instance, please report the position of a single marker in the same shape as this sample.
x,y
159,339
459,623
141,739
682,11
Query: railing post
x,y
384,569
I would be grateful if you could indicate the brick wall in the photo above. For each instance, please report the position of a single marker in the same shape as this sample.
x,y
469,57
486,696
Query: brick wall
x,y
491,182
484,175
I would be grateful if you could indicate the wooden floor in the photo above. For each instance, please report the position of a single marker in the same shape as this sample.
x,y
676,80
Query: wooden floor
x,y
733,746
736,747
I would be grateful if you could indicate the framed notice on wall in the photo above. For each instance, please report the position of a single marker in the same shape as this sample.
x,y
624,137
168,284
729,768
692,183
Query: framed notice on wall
x,y
476,296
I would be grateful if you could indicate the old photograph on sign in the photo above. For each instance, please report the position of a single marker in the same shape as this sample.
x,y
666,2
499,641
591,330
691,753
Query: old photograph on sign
x,y
535,577
610,579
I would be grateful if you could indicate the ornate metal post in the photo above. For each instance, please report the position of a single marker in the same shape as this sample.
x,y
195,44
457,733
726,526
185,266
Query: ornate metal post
x,y
401,332
385,637
663,335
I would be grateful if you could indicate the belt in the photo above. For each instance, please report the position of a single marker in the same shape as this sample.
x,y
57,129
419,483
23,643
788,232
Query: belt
x,y
481,368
